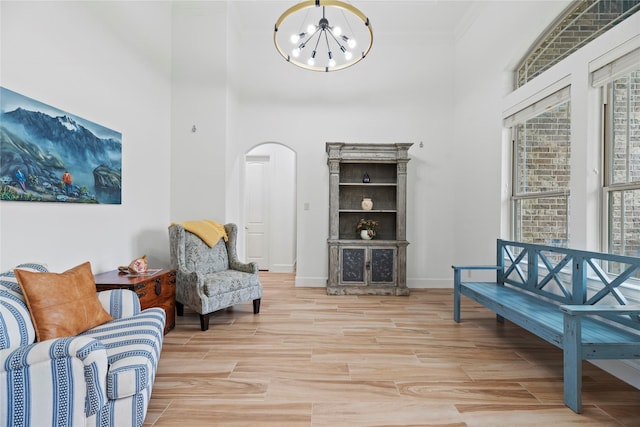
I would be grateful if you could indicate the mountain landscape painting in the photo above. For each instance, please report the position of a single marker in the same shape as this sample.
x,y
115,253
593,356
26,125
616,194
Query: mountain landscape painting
x,y
48,155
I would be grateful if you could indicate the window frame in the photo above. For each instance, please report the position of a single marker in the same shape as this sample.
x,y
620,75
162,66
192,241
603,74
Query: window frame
x,y
604,78
534,109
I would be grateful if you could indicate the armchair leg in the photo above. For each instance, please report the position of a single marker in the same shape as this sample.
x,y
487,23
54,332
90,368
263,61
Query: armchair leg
x,y
179,308
204,322
256,306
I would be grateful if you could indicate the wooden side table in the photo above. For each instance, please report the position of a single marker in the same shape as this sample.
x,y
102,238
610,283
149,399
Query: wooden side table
x,y
157,290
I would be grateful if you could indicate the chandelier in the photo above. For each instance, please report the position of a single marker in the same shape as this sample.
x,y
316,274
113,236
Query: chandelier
x,y
323,35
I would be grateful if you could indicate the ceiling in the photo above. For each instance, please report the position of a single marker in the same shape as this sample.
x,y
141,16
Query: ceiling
x,y
431,16
410,39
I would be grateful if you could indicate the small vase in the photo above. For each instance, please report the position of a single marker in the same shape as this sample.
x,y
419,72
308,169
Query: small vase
x,y
367,234
367,204
365,178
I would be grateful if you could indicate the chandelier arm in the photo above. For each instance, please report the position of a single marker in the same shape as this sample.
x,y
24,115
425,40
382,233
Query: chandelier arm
x,y
326,38
317,41
336,40
311,36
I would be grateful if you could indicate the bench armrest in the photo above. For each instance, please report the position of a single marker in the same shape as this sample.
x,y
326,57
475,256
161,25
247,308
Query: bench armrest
x,y
476,267
583,310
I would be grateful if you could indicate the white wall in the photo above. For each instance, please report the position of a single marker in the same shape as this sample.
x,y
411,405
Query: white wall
x,y
199,98
486,55
108,62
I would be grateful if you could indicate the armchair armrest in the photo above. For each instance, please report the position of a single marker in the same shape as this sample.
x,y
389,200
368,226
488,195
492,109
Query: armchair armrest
x,y
247,267
70,372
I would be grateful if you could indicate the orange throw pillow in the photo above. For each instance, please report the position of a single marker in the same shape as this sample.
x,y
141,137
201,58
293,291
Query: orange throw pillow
x,y
62,304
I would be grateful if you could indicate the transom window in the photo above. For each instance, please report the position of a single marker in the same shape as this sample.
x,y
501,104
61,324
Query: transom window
x,y
581,22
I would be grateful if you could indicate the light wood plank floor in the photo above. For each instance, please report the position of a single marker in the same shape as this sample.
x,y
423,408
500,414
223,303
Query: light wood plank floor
x,y
309,359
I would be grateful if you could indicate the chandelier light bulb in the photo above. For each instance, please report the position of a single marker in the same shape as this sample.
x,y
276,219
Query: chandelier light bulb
x,y
311,29
295,52
350,42
332,63
295,38
337,31
348,55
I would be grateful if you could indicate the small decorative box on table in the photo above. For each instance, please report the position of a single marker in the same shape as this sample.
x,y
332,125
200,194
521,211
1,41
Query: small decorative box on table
x,y
157,288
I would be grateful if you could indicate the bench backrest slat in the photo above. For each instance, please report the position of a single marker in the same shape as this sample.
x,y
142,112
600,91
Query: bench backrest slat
x,y
568,276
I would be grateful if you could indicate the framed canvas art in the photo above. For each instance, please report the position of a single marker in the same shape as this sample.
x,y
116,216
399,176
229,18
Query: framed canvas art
x,y
48,155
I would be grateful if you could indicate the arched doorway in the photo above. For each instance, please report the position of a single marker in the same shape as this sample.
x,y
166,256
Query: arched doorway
x,y
270,207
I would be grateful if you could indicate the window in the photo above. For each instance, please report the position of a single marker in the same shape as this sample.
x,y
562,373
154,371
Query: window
x,y
541,170
581,22
622,159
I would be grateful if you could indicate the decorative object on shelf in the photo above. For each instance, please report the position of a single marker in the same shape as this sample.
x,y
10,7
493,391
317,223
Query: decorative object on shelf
x,y
365,178
367,203
367,234
367,228
310,35
137,266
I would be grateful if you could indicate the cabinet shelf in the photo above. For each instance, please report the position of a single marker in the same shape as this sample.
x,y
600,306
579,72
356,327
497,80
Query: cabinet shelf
x,y
371,184
371,210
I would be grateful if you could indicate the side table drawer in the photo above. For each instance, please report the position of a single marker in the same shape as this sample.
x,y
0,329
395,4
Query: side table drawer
x,y
158,290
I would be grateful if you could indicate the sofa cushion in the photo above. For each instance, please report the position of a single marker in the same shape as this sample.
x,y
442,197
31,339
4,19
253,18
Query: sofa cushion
x,y
62,304
16,327
133,349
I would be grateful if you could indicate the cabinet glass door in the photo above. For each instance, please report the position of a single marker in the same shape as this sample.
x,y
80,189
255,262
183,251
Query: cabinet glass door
x,y
353,265
382,265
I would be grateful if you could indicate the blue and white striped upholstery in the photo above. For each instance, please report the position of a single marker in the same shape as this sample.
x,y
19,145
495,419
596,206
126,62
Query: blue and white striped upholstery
x,y
16,327
102,377
120,303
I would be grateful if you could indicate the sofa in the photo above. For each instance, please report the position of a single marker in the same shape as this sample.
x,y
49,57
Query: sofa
x,y
102,376
209,275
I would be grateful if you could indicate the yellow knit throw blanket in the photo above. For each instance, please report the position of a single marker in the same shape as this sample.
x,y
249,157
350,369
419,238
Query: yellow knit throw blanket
x,y
209,231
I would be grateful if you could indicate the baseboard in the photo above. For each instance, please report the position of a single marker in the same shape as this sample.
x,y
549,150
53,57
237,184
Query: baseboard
x,y
311,282
626,370
282,268
429,283
321,282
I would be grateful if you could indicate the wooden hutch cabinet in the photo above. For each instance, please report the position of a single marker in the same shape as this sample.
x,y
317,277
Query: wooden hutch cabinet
x,y
377,172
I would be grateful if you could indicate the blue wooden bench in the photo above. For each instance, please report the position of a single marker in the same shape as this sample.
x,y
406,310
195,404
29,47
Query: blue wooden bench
x,y
571,298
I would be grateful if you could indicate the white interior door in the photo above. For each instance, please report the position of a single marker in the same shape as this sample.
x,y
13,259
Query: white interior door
x,y
256,210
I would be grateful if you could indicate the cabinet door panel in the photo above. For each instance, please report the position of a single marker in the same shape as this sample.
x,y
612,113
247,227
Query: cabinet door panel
x,y
382,261
353,262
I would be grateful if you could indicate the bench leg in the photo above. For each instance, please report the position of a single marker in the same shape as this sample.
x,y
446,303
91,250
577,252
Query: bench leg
x,y
256,306
499,318
572,363
456,295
